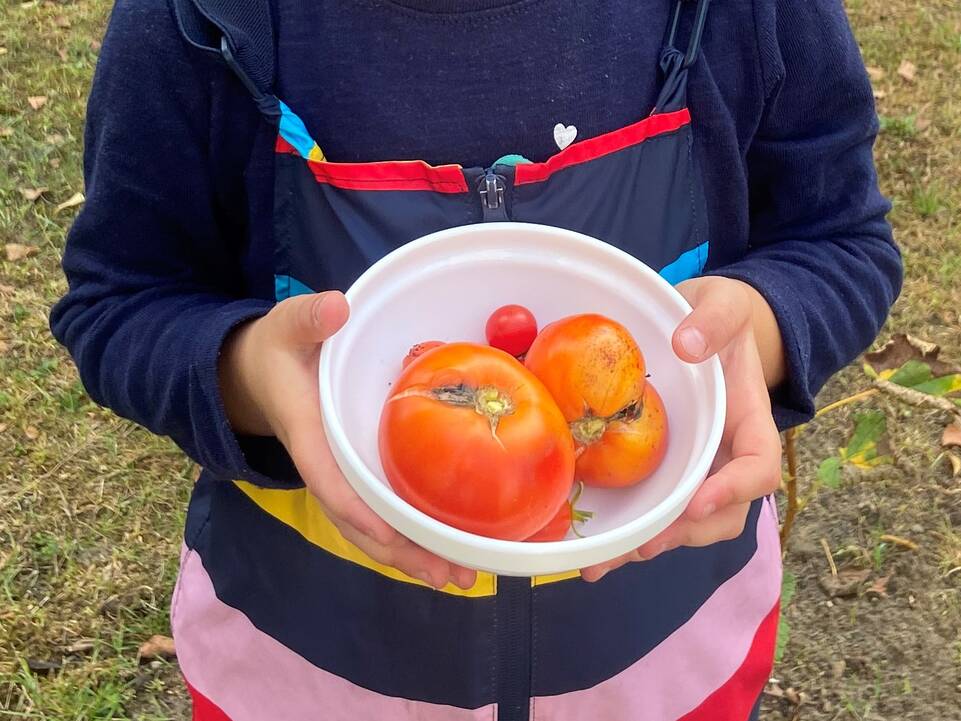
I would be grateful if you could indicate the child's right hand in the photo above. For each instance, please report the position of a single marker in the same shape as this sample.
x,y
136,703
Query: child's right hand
x,y
268,379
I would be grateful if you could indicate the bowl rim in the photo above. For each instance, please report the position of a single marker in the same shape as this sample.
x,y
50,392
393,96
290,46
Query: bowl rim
x,y
667,507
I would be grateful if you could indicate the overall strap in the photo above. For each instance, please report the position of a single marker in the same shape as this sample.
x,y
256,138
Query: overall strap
x,y
674,63
242,33
694,43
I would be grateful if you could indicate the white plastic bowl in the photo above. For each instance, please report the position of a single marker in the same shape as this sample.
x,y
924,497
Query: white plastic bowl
x,y
443,287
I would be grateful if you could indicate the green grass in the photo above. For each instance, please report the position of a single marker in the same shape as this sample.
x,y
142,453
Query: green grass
x,y
91,508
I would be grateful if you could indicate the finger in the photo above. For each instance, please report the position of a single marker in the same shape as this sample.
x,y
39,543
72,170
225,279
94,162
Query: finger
x,y
724,525
595,573
308,448
312,319
753,471
721,311
404,555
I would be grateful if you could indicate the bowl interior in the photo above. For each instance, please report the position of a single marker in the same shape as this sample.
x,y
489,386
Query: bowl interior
x,y
444,288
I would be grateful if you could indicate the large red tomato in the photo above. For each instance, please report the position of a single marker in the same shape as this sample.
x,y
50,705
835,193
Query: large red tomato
x,y
596,373
472,438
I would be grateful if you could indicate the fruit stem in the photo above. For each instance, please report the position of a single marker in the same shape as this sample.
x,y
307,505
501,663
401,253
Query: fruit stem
x,y
590,429
577,515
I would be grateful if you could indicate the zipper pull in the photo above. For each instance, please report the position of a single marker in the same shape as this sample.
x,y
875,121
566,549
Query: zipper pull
x,y
491,188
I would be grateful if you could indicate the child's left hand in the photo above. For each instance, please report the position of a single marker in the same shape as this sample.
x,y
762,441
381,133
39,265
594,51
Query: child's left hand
x,y
732,320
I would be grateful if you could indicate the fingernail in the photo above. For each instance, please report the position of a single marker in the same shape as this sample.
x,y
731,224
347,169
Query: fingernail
x,y
425,577
708,510
638,556
602,574
693,342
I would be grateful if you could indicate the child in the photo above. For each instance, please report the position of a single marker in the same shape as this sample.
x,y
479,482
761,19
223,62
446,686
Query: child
x,y
728,147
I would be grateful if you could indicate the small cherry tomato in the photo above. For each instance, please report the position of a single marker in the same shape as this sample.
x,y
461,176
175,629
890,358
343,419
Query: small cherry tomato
x,y
512,329
419,350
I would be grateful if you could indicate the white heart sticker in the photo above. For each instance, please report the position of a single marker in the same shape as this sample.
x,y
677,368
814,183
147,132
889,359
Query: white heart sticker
x,y
564,135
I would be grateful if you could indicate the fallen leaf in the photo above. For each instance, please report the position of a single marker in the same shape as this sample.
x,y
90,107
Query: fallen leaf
x,y
32,194
37,101
54,138
955,460
38,666
54,162
875,73
62,21
6,132
879,588
157,647
3,427
71,202
903,348
845,584
907,70
31,432
18,251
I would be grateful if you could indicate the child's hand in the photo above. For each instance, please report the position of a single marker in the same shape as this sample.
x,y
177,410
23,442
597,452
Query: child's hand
x,y
268,378
730,319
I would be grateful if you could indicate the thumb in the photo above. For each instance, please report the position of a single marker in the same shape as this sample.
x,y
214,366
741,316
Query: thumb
x,y
722,309
312,319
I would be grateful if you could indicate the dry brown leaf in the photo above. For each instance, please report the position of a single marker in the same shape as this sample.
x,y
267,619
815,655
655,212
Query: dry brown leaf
x,y
31,432
62,21
37,101
32,194
879,588
907,70
955,460
157,647
18,251
875,73
845,584
71,202
6,131
902,348
952,434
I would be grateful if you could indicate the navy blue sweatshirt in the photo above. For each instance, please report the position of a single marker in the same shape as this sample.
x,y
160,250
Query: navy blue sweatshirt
x,y
173,247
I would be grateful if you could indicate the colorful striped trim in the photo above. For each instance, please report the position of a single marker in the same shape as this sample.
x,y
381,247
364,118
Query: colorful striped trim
x,y
388,175
712,668
236,672
294,132
605,144
298,509
687,265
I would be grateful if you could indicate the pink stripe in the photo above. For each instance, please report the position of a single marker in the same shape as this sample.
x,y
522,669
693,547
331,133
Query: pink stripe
x,y
696,659
252,677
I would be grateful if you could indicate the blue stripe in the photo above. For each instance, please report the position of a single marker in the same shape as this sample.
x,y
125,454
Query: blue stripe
x,y
286,286
293,130
687,265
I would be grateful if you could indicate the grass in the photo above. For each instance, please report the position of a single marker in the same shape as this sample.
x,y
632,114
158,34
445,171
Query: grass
x,y
91,508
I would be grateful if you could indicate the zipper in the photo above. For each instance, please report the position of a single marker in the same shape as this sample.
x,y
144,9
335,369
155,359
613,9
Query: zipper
x,y
492,187
514,641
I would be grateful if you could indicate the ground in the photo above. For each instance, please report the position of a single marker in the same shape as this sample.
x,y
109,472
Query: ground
x,y
91,507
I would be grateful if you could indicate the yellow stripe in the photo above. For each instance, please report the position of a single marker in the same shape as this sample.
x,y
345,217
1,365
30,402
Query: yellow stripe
x,y
298,509
554,578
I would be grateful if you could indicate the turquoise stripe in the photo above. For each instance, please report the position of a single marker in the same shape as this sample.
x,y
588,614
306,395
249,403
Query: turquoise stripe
x,y
285,286
687,265
293,130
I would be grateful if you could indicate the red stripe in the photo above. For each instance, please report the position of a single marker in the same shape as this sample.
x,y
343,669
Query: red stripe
x,y
602,145
736,698
389,175
204,708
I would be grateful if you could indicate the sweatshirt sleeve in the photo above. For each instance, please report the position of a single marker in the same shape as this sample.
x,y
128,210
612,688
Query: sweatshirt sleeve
x,y
153,259
821,251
